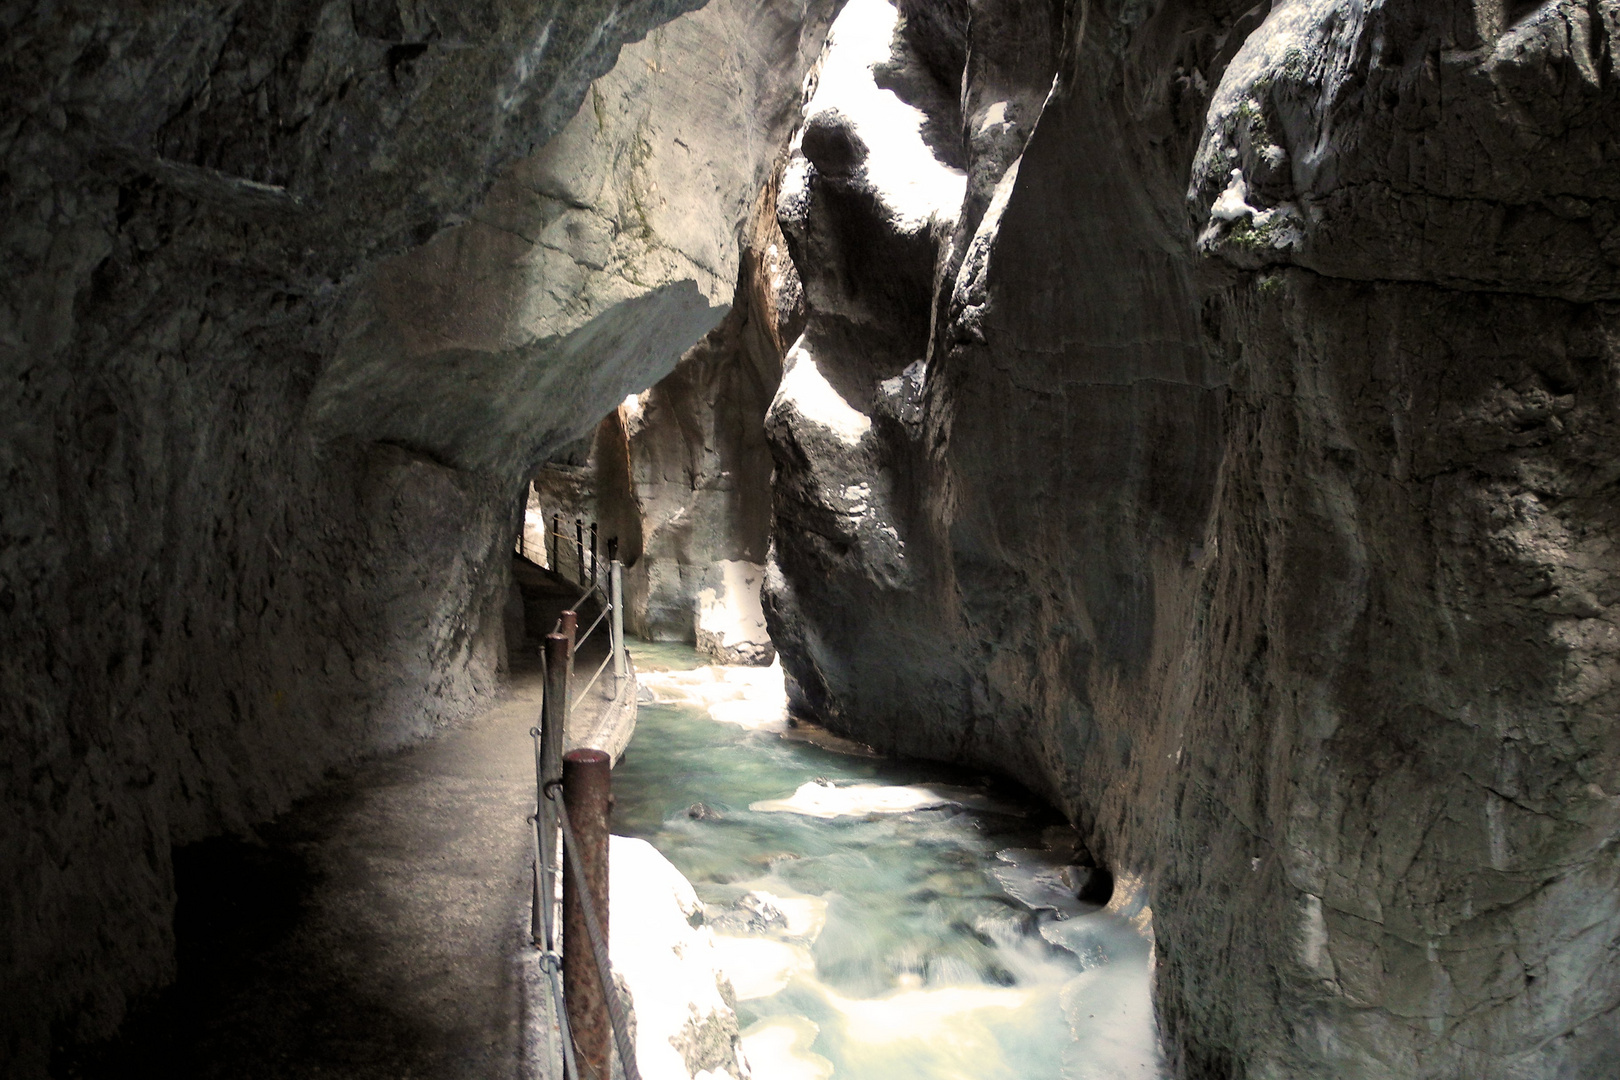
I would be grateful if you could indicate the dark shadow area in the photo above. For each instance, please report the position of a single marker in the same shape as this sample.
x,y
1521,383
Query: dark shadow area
x,y
369,933
257,995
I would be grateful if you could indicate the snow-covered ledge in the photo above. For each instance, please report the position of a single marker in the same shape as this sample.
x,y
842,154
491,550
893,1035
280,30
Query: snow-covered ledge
x,y
685,1025
730,621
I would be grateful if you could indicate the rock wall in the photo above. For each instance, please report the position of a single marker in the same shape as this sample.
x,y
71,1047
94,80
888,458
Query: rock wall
x,y
1263,519
699,462
587,482
681,472
297,295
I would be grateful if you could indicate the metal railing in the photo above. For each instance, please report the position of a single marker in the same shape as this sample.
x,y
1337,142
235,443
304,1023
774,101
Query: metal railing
x,y
609,596
572,797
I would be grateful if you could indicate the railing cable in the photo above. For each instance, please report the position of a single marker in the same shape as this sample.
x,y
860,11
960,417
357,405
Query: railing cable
x,y
580,640
579,697
550,958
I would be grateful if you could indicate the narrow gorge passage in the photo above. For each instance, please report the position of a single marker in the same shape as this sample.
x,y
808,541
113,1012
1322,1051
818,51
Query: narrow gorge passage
x,y
1201,414
879,919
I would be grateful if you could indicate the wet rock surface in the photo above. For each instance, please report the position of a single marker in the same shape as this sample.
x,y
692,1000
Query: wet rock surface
x,y
1229,464
296,298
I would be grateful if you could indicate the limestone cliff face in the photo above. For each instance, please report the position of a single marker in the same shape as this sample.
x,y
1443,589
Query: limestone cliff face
x,y
1234,465
296,297
681,473
700,466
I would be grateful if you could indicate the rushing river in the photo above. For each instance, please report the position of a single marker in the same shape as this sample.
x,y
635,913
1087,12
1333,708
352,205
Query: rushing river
x,y
879,920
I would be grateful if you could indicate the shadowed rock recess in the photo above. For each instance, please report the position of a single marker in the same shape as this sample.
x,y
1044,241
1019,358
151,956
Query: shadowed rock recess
x,y
1204,411
1234,463
297,295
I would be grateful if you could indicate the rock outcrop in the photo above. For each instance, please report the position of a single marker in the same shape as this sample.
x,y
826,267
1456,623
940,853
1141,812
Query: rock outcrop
x,y
1231,461
296,298
684,1007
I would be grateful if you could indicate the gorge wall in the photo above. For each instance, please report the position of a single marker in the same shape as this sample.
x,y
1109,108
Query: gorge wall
x,y
296,297
1205,414
681,473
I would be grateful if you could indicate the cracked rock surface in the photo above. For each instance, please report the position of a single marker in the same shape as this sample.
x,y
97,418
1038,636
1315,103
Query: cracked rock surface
x,y
1232,463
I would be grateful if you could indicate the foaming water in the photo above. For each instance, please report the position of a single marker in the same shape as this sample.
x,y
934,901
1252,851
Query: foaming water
x,y
879,920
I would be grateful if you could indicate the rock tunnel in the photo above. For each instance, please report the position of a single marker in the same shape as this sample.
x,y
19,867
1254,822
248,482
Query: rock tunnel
x,y
1200,412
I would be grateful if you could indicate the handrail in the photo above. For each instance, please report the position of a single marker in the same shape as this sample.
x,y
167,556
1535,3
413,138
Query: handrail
x,y
592,587
593,928
557,662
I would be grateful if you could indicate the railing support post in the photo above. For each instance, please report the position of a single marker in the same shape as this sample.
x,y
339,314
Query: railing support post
x,y
548,765
616,598
579,546
587,793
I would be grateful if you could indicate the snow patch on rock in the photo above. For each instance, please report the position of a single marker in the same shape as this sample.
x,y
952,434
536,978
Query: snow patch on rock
x,y
916,187
1233,203
685,1027
730,620
807,390
994,116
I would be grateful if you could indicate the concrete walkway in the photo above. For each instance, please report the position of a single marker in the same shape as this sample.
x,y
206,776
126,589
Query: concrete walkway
x,y
376,931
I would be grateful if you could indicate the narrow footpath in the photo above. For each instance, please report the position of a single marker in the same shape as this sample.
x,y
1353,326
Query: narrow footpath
x,y
378,929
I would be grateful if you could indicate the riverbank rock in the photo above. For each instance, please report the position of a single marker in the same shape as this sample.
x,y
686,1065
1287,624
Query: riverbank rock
x,y
1231,463
730,621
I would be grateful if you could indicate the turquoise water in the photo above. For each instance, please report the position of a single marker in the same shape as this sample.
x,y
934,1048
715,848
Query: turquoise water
x,y
922,934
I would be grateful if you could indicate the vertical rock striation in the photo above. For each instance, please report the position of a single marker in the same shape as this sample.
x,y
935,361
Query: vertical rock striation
x,y
1231,463
296,296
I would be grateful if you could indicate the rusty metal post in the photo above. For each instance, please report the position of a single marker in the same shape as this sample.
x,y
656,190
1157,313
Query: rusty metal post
x,y
559,694
587,793
554,709
548,766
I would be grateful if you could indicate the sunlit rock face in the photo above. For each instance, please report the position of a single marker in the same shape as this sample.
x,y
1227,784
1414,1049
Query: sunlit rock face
x,y
297,295
1232,462
700,467
681,473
